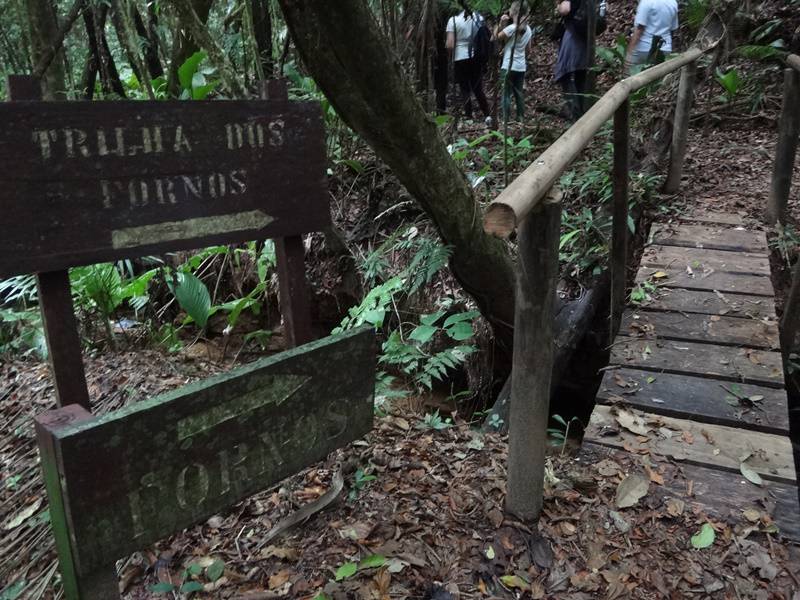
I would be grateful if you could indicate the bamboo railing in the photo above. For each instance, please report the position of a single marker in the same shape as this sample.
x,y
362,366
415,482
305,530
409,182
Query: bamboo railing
x,y
531,205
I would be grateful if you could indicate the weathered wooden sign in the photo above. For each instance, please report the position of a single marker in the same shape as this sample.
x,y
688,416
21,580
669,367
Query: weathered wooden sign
x,y
119,482
85,182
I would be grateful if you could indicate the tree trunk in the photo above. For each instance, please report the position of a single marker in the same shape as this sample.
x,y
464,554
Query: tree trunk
x,y
43,29
262,26
150,49
365,84
95,21
185,44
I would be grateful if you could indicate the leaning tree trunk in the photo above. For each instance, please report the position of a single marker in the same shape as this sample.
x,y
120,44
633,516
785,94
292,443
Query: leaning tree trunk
x,y
43,29
365,84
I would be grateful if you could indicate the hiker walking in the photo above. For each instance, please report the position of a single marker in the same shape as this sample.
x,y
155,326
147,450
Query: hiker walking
x,y
466,38
515,32
652,32
572,62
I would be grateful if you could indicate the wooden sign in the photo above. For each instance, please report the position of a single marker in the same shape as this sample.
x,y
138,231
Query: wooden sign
x,y
119,482
85,182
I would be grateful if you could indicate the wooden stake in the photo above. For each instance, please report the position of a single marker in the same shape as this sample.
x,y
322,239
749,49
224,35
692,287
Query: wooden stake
x,y
790,322
619,235
290,256
786,149
533,360
680,129
55,300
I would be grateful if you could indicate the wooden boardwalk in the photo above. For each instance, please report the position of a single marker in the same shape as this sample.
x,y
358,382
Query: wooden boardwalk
x,y
696,379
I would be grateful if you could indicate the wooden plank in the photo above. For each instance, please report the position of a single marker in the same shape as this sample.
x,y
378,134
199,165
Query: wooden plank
x,y
84,182
702,259
711,303
727,283
705,444
717,493
712,217
158,466
697,398
716,238
732,364
731,331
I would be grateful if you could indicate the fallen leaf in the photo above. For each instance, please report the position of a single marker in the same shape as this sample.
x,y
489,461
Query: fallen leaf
x,y
277,580
660,275
608,467
687,437
632,423
513,581
766,568
346,570
568,528
705,537
490,553
675,507
630,490
655,476
751,475
22,515
619,521
752,514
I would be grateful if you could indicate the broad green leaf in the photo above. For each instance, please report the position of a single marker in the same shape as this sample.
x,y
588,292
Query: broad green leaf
x,y
460,331
490,553
194,569
346,570
423,333
162,588
432,318
187,70
193,297
191,586
215,570
374,561
705,537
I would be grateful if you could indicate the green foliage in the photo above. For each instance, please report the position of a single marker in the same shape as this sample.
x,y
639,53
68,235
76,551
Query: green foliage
x,y
360,480
730,81
194,78
193,297
773,51
97,287
694,13
22,332
559,435
434,421
786,241
642,293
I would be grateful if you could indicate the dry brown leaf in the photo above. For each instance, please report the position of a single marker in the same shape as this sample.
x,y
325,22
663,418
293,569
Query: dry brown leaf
x,y
633,423
655,476
687,437
675,507
280,578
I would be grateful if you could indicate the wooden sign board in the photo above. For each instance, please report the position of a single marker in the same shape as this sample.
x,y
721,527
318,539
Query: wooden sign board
x,y
120,482
86,182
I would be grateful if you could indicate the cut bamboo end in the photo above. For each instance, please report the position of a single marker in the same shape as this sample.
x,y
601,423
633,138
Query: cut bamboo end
x,y
500,221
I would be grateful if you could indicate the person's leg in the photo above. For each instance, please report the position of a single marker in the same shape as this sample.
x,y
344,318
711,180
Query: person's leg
x,y
581,101
476,72
461,74
570,96
518,83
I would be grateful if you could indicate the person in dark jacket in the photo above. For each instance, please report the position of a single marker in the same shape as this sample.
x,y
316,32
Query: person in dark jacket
x,y
572,62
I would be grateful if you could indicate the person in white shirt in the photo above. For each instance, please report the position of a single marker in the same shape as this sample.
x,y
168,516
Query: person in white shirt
x,y
654,23
467,71
517,35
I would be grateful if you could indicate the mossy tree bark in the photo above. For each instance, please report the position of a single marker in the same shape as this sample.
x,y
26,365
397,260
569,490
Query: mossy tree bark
x,y
43,29
353,63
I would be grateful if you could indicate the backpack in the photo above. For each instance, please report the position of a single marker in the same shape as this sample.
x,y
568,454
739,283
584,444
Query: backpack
x,y
481,46
580,19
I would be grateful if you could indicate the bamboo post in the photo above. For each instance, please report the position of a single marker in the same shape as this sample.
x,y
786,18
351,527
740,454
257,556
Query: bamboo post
x,y
533,359
680,129
791,314
786,148
619,235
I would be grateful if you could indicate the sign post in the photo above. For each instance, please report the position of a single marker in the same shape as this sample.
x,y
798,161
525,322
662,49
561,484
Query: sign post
x,y
120,482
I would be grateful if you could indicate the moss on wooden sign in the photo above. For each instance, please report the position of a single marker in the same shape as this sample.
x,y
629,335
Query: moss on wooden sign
x,y
139,474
